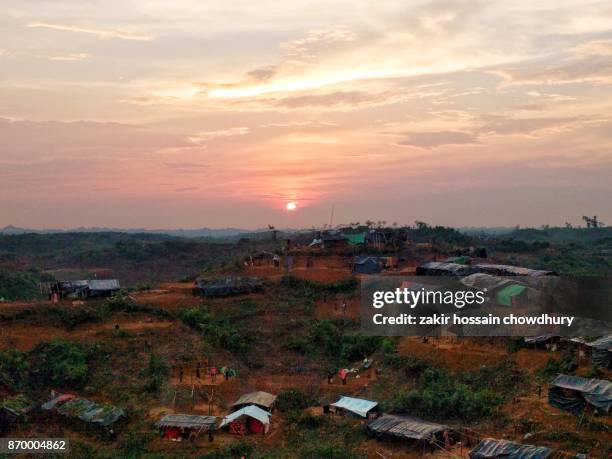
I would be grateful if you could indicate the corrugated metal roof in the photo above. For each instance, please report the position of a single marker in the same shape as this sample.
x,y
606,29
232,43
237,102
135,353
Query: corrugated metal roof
x,y
491,448
355,405
256,398
187,420
103,284
251,411
405,427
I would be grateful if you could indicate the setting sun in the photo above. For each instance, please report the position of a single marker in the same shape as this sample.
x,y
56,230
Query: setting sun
x,y
291,206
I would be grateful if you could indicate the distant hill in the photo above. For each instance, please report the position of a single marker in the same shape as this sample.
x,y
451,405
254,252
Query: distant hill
x,y
188,233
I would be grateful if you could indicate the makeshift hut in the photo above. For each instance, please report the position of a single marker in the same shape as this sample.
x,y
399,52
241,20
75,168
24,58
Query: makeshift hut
x,y
14,410
366,265
400,427
76,289
491,448
250,419
179,427
262,258
227,286
601,351
437,268
261,399
507,270
334,241
541,340
92,413
355,407
574,394
102,287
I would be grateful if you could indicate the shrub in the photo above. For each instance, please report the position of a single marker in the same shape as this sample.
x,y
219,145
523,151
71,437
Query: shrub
x,y
325,335
71,317
13,368
515,344
439,395
355,347
410,365
157,371
553,367
294,399
17,285
59,363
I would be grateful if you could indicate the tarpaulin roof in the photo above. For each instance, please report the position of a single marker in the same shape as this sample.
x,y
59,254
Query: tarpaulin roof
x,y
354,239
250,411
256,398
597,392
362,259
405,427
538,339
60,398
601,353
229,285
491,448
355,405
460,260
85,410
507,270
18,405
481,281
103,284
187,420
605,342
453,269
505,295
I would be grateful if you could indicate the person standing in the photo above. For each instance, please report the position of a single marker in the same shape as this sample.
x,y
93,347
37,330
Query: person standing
x,y
213,374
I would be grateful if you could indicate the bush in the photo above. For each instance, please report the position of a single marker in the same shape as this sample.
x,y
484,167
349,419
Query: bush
x,y
356,347
294,399
326,336
217,330
17,285
515,344
441,396
59,363
411,365
13,368
553,367
156,372
71,317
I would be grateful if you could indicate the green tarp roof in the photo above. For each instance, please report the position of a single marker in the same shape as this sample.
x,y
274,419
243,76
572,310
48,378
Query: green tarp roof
x,y
504,296
354,239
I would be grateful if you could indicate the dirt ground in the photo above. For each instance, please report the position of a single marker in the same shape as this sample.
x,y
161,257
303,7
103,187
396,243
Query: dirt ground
x,y
455,354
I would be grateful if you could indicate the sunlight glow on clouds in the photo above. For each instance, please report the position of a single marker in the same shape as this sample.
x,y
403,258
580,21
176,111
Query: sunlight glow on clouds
x,y
220,114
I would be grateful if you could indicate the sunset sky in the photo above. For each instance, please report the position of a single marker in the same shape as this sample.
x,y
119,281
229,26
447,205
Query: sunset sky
x,y
184,114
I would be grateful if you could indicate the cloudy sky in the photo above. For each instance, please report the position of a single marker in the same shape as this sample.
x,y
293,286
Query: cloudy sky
x,y
190,113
